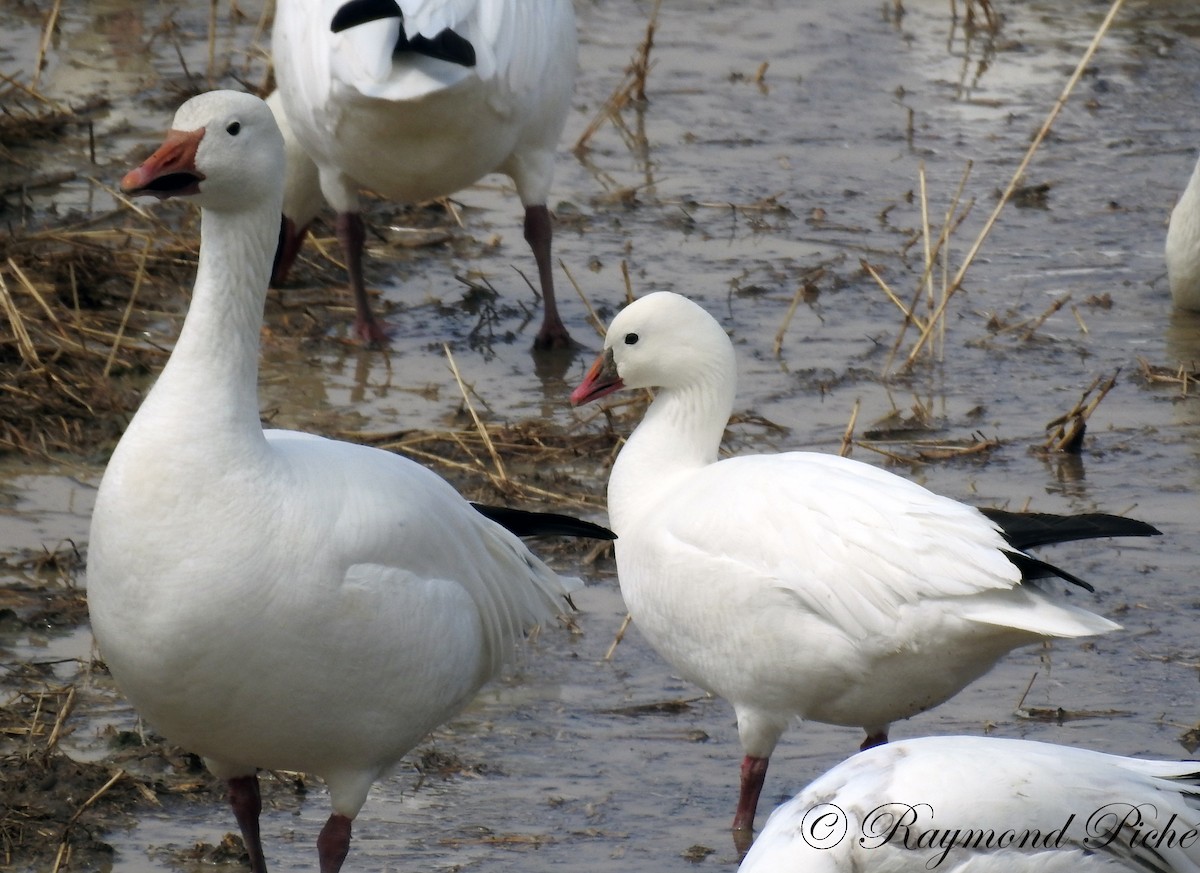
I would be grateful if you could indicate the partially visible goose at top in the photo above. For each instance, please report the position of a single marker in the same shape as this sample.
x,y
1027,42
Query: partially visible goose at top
x,y
1183,246
417,99
987,805
275,599
805,584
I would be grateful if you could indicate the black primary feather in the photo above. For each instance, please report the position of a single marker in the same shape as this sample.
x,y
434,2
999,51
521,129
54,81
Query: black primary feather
x,y
525,523
446,46
1027,530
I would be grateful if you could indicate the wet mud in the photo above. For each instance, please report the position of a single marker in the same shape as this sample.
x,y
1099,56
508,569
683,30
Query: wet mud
x,y
775,165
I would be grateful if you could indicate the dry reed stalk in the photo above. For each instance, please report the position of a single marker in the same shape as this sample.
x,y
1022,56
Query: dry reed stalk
x,y
519,445
1079,319
44,45
502,476
612,649
212,40
848,435
949,224
1054,307
910,316
593,318
35,294
924,201
24,342
1067,431
64,712
1018,174
64,849
138,277
1180,375
805,286
627,280
631,87
265,17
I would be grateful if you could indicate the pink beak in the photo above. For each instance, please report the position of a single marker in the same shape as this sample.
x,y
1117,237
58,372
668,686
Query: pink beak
x,y
601,379
170,171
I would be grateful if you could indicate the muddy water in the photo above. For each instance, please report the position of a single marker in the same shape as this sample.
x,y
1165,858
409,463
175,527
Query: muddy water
x,y
740,189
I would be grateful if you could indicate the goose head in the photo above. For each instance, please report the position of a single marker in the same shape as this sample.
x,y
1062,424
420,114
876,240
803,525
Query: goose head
x,y
665,341
224,150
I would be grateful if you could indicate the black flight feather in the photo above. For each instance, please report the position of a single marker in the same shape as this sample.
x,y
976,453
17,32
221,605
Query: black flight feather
x,y
1027,530
524,523
446,46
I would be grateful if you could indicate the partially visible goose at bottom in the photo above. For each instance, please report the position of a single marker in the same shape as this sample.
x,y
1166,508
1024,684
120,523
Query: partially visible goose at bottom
x,y
802,584
987,805
276,599
418,99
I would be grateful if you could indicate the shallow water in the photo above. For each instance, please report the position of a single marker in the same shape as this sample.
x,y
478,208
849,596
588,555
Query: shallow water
x,y
853,101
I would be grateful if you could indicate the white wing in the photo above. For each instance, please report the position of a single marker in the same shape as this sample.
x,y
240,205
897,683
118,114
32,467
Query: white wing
x,y
377,508
841,539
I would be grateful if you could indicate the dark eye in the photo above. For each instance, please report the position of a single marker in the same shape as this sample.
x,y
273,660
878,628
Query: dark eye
x,y
234,128
631,338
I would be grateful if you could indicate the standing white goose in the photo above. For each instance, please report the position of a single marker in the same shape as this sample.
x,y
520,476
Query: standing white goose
x,y
417,99
987,805
805,584
1183,246
275,599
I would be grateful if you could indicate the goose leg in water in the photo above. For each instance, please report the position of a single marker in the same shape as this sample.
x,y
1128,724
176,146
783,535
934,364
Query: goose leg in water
x,y
334,843
350,234
553,334
876,739
754,773
247,805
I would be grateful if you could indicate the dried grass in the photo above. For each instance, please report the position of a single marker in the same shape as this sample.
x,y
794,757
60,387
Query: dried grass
x,y
74,303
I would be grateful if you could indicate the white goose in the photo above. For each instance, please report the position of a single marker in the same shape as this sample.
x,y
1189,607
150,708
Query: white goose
x,y
1183,246
275,599
805,584
987,805
417,99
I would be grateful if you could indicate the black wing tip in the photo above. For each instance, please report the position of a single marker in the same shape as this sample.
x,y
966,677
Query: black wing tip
x,y
446,46
356,12
1032,568
1029,529
527,523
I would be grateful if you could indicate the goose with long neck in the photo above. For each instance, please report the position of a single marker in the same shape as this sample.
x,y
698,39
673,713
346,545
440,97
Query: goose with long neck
x,y
803,584
987,805
418,99
272,598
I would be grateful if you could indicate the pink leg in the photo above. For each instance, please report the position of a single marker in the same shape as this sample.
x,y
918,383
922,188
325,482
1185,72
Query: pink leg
x,y
247,805
552,335
350,234
754,773
291,240
334,843
873,740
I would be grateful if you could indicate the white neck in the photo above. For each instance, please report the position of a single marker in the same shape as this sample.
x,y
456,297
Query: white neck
x,y
680,434
209,386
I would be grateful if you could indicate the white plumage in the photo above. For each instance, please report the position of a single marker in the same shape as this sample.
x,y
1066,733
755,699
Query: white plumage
x,y
1183,246
276,599
800,584
414,127
987,805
